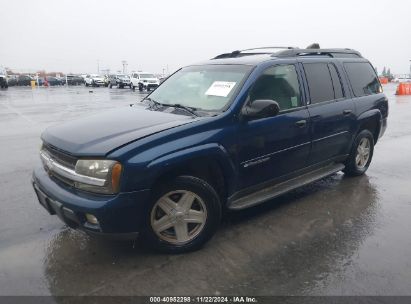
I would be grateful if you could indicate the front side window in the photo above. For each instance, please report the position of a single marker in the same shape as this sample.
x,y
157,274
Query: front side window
x,y
319,82
278,83
203,87
363,79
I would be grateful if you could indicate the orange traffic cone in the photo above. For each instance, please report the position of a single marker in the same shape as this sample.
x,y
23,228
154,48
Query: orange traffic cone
x,y
404,88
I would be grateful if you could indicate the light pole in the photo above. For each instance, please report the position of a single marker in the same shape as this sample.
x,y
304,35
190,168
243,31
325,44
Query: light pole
x,y
124,66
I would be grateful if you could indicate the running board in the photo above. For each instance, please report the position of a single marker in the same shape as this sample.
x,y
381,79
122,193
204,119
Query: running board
x,y
271,192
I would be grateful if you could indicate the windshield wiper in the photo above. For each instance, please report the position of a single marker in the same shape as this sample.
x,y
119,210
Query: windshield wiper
x,y
190,110
152,100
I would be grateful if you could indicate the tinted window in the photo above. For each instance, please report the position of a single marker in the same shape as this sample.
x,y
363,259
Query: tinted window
x,y
319,82
279,83
338,93
362,78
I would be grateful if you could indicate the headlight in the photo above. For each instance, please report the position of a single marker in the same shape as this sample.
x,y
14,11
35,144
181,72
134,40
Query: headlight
x,y
104,175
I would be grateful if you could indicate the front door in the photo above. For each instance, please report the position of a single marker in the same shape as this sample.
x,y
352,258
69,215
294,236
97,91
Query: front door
x,y
274,146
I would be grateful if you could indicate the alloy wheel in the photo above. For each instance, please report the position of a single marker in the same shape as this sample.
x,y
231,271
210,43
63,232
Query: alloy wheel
x,y
363,153
178,217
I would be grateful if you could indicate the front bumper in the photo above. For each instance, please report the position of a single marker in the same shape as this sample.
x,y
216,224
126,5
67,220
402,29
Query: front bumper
x,y
119,216
150,85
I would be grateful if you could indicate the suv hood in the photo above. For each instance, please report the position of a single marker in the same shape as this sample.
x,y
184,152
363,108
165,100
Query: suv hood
x,y
99,134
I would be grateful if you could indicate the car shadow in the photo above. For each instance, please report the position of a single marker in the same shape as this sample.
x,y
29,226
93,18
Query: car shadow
x,y
284,246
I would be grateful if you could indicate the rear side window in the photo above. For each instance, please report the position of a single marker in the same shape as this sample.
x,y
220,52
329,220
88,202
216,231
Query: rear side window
x,y
362,78
338,92
319,82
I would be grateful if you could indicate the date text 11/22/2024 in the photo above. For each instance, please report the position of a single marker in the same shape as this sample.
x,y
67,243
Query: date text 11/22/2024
x,y
204,299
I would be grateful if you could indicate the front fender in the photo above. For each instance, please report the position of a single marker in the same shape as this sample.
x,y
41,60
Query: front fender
x,y
177,159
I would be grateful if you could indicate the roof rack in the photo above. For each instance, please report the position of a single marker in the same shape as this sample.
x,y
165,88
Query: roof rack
x,y
289,51
246,52
335,53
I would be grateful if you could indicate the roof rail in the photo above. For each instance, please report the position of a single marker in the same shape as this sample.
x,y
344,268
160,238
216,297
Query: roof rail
x,y
336,53
246,52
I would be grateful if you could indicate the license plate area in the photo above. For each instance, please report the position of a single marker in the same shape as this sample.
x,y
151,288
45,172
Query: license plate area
x,y
54,207
43,200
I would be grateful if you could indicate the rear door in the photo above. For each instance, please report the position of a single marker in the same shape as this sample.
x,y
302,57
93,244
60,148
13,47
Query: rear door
x,y
332,115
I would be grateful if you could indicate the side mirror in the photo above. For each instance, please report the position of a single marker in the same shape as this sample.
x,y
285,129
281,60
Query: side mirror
x,y
261,108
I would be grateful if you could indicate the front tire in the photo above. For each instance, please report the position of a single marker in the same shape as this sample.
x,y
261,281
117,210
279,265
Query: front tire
x,y
361,154
182,216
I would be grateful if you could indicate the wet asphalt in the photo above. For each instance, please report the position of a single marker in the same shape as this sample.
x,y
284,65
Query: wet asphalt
x,y
338,236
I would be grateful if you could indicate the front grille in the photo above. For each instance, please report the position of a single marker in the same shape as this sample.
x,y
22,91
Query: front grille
x,y
60,178
63,158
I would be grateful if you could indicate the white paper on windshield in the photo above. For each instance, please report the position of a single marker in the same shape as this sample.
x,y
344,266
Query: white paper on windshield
x,y
220,88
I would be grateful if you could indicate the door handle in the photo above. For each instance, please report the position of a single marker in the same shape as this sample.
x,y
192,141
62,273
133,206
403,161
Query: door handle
x,y
301,123
347,112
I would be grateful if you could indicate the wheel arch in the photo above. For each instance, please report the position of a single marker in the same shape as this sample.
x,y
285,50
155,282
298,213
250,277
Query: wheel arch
x,y
370,120
210,162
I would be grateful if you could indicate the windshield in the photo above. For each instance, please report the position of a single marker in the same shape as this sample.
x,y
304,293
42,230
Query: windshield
x,y
122,76
206,87
147,76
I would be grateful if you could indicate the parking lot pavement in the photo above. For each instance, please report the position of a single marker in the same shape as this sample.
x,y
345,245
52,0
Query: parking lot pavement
x,y
338,236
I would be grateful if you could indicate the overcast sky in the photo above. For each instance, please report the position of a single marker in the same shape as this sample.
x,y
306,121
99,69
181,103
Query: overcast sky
x,y
74,35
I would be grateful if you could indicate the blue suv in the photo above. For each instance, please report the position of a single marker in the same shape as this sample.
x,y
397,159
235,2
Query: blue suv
x,y
226,134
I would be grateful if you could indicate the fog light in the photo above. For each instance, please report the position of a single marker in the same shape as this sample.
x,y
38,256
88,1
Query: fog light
x,y
91,219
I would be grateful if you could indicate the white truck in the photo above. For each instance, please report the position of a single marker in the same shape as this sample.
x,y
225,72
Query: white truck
x,y
94,80
3,78
144,81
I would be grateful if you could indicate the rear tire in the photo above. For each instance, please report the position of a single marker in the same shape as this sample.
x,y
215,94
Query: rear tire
x,y
182,215
361,154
